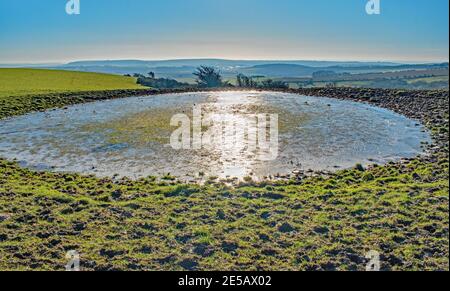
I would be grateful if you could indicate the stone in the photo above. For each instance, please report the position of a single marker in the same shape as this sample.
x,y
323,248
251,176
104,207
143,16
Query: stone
x,y
285,228
229,247
189,264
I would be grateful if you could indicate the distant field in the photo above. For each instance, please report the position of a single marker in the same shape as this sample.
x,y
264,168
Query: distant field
x,y
440,82
430,79
18,82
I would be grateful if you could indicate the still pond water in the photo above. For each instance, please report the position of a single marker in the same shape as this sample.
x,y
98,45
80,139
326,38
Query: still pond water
x,y
130,137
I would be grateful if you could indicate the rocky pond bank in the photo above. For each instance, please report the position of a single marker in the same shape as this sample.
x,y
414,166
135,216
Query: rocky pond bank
x,y
319,223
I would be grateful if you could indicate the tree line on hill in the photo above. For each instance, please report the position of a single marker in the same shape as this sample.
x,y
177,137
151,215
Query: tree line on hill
x,y
207,77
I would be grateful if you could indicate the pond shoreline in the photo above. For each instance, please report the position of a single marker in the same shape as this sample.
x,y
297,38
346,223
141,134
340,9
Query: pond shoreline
x,y
427,107
125,137
398,209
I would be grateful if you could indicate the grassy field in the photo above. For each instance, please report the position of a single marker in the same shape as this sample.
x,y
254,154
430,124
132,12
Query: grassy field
x,y
19,82
320,223
430,79
24,90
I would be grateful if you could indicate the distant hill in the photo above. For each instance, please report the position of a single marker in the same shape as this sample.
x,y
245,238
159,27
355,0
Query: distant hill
x,y
279,70
182,69
219,63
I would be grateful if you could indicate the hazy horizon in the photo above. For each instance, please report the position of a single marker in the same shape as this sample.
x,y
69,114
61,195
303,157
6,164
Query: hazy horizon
x,y
224,59
405,31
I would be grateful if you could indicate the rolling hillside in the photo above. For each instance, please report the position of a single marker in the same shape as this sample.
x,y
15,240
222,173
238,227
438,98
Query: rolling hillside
x,y
17,82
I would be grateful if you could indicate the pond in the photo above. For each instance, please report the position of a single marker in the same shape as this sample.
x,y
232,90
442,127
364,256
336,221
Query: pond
x,y
131,137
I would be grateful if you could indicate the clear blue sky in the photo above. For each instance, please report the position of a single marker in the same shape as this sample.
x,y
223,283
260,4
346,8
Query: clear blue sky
x,y
41,31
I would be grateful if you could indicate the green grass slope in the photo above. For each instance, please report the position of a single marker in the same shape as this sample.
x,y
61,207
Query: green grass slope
x,y
25,90
400,210
18,82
